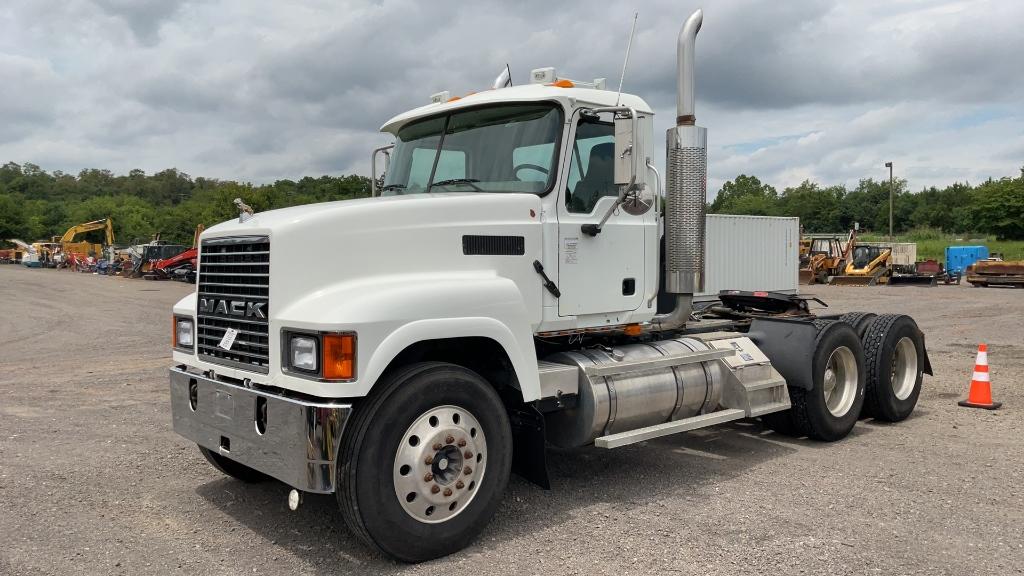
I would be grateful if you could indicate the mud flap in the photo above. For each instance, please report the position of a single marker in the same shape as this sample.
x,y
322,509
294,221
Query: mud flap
x,y
529,447
789,344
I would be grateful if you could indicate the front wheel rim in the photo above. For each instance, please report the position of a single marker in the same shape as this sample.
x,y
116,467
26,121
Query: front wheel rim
x,y
840,381
904,368
439,464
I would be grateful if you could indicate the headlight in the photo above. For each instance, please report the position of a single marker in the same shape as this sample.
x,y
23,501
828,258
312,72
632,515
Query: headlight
x,y
184,335
321,356
302,353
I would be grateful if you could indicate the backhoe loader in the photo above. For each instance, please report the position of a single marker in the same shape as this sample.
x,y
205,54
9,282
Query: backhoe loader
x,y
824,259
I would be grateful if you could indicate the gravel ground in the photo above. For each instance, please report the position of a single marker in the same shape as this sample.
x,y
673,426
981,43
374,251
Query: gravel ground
x,y
93,481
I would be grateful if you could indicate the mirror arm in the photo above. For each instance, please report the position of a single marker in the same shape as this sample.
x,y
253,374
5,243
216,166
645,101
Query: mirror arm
x,y
595,229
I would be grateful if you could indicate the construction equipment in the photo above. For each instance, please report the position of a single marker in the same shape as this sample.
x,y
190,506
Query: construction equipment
x,y
991,272
503,303
76,253
924,273
824,258
865,265
182,266
27,254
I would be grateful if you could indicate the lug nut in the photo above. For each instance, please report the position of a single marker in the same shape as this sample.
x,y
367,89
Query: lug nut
x,y
462,442
435,489
467,454
449,439
459,485
447,492
429,460
428,477
467,470
437,447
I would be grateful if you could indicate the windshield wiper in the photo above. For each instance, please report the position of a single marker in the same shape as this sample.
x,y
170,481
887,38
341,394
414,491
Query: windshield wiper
x,y
453,181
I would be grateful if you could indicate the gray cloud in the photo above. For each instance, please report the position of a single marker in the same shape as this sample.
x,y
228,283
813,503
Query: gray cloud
x,y
260,90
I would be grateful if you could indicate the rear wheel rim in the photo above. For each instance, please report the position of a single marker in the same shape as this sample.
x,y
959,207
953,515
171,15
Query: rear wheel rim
x,y
904,368
439,464
840,381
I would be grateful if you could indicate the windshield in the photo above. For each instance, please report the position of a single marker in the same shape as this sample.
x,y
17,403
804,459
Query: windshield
x,y
506,148
864,255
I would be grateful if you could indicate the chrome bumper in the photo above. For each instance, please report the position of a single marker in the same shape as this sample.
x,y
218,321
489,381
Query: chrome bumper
x,y
299,445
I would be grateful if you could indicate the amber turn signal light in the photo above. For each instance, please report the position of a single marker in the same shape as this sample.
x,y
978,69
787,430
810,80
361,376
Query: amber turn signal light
x,y
339,352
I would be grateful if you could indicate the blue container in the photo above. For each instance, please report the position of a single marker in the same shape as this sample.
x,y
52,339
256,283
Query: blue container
x,y
958,258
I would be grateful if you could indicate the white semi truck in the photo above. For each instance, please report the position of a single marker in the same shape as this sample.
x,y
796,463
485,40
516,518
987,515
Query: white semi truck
x,y
500,293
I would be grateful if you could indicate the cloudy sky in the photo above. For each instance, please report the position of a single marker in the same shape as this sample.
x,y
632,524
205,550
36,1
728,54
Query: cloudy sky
x,y
261,90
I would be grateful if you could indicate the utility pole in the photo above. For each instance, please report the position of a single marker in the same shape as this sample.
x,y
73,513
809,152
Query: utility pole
x,y
891,194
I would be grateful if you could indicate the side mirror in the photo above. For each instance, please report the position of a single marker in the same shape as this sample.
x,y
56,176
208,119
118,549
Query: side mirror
x,y
377,181
625,173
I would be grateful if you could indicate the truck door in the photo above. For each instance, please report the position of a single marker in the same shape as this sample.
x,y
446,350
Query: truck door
x,y
599,274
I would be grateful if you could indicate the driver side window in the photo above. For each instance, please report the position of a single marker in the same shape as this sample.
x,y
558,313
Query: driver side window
x,y
592,167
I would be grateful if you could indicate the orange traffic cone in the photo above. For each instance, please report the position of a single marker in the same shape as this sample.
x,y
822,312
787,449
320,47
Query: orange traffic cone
x,y
980,395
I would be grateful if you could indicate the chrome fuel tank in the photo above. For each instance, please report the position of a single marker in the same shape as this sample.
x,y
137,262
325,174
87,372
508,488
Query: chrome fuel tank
x,y
610,404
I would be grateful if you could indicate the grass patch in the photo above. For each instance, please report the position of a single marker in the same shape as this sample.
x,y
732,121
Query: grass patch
x,y
932,244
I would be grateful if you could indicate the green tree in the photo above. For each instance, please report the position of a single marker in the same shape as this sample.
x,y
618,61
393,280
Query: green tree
x,y
745,195
998,207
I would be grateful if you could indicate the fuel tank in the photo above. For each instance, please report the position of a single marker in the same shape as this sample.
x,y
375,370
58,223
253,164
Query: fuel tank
x,y
610,404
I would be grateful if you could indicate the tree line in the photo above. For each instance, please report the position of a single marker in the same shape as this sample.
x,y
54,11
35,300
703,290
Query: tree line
x,y
994,207
37,205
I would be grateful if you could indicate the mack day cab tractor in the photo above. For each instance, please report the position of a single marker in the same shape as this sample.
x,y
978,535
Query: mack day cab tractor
x,y
498,293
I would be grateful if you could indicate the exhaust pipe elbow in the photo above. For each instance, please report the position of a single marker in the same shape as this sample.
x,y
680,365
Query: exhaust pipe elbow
x,y
685,114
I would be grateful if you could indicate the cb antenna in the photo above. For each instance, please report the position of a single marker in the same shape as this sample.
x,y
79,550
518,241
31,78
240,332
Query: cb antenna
x,y
622,79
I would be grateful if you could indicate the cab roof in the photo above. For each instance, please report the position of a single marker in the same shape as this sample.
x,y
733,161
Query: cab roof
x,y
567,97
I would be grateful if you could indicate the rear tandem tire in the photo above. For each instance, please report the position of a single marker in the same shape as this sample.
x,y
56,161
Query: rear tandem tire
x,y
232,468
830,409
894,364
384,452
859,321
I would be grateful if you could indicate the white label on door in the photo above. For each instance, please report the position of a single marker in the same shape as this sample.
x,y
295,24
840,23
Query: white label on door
x,y
569,246
229,339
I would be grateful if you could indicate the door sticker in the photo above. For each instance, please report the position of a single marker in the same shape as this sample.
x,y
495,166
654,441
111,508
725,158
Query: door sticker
x,y
569,246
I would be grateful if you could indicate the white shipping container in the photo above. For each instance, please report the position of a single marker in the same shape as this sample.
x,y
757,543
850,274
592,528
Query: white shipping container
x,y
751,253
903,253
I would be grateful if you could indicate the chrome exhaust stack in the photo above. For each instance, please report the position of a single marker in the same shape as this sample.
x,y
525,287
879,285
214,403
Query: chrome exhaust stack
x,y
685,189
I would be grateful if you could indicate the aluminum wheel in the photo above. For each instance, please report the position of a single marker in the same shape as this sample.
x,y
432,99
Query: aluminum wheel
x,y
904,368
440,462
840,381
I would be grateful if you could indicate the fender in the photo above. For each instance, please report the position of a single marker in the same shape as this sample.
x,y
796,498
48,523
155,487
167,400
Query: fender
x,y
390,313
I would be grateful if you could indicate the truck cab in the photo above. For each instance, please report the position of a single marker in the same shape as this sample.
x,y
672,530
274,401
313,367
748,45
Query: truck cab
x,y
496,294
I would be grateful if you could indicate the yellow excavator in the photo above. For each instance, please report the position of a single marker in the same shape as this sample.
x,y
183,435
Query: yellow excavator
x,y
72,249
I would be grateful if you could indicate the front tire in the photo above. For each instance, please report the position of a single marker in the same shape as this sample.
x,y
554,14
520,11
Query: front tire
x,y
425,461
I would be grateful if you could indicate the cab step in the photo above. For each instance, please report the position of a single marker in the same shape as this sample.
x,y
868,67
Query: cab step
x,y
658,430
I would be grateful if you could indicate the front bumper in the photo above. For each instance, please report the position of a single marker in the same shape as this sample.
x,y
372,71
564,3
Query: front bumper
x,y
299,445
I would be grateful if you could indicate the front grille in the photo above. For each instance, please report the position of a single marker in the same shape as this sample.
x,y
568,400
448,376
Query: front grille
x,y
234,292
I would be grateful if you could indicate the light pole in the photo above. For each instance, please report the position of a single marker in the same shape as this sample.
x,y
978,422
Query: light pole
x,y
891,194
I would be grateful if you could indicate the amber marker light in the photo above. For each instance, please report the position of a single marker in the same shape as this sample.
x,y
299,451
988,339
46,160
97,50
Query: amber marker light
x,y
339,354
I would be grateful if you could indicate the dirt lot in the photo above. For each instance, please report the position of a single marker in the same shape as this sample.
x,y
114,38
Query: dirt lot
x,y
93,481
